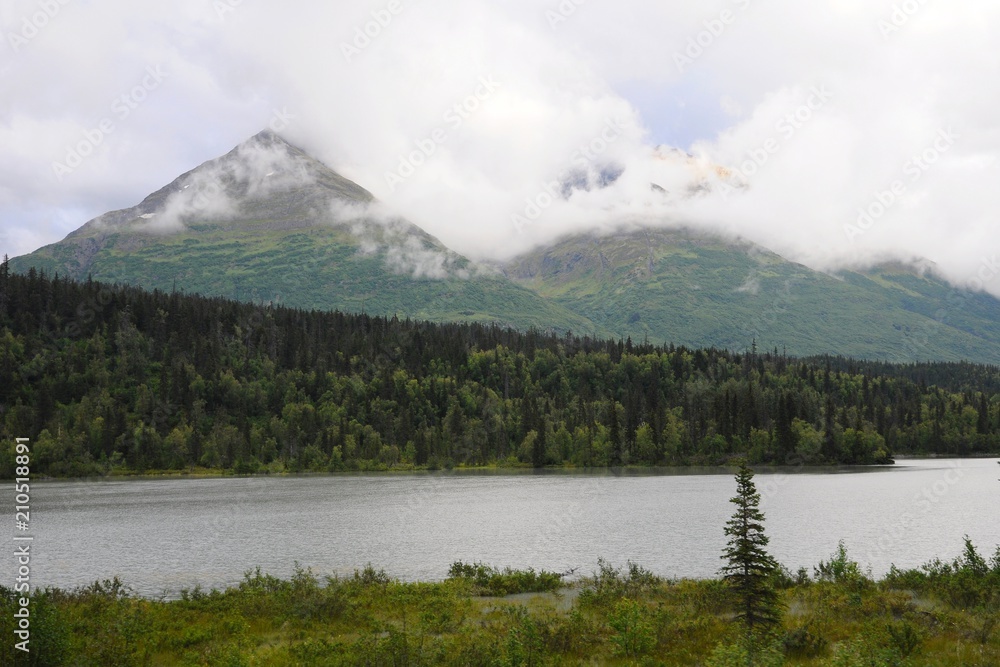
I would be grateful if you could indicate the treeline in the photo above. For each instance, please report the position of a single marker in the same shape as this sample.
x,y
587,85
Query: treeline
x,y
115,378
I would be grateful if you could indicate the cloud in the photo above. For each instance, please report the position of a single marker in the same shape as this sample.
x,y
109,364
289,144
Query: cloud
x,y
415,259
750,286
405,249
223,188
483,106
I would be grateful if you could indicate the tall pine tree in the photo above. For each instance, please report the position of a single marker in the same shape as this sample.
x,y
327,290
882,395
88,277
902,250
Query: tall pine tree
x,y
749,568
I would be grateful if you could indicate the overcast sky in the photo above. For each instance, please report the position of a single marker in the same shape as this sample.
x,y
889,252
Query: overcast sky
x,y
820,109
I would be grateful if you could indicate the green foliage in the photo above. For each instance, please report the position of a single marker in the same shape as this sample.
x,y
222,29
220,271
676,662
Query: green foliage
x,y
749,568
154,382
488,580
967,582
633,631
49,640
369,576
802,642
872,647
371,618
524,644
748,652
841,569
685,286
610,584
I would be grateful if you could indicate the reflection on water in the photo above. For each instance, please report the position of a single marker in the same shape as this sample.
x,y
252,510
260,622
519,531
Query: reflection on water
x,y
164,535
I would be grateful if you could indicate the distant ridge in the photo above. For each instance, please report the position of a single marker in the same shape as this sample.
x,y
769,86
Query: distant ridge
x,y
267,222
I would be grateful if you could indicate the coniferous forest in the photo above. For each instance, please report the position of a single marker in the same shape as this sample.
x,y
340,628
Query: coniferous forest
x,y
115,379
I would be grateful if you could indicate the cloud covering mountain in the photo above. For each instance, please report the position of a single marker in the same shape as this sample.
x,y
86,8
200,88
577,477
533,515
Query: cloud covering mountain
x,y
835,133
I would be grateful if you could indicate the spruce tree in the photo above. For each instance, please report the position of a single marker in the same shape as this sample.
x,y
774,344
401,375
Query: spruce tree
x,y
749,568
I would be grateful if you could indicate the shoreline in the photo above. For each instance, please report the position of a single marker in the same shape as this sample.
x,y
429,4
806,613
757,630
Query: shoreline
x,y
503,470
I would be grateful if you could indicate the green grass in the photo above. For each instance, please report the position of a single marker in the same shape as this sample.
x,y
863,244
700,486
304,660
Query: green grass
x,y
940,615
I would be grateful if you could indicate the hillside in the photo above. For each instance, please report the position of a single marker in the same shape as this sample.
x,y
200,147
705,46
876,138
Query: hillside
x,y
678,285
267,223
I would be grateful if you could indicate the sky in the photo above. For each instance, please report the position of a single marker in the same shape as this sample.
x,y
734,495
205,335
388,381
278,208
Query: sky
x,y
838,133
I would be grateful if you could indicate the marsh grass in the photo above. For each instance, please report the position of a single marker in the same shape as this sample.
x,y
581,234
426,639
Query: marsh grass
x,y
942,614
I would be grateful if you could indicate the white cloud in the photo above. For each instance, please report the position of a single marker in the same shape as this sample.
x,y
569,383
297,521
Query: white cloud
x,y
557,90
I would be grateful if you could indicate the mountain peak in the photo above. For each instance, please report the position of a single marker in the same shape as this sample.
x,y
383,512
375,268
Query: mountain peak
x,y
267,134
265,179
268,139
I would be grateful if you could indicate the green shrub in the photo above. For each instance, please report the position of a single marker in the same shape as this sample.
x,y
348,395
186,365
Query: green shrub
x,y
610,583
488,580
369,576
523,644
802,642
738,654
841,569
633,632
870,648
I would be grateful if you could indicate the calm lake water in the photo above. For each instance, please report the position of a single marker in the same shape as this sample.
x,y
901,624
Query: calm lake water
x,y
161,536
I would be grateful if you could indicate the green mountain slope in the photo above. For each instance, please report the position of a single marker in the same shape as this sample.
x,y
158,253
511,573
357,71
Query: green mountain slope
x,y
267,223
675,285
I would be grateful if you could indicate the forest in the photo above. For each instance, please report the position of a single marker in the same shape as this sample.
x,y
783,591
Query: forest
x,y
110,379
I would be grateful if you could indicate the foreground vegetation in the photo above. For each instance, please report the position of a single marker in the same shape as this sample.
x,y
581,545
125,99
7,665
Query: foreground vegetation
x,y
940,615
114,379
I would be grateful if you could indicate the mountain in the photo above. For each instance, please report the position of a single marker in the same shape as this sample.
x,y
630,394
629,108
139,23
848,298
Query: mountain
x,y
268,223
678,285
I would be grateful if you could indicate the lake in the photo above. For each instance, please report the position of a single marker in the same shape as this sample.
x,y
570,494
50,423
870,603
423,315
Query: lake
x,y
162,535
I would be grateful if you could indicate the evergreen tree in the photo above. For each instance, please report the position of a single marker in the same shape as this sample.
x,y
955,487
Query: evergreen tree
x,y
95,364
749,568
539,446
616,438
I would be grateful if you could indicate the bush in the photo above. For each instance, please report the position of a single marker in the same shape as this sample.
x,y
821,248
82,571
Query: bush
x,y
633,632
523,644
371,577
803,642
868,648
610,583
49,641
841,569
765,654
488,580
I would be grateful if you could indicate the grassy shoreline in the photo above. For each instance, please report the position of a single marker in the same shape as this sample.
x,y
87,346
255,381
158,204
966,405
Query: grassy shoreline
x,y
941,614
498,468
